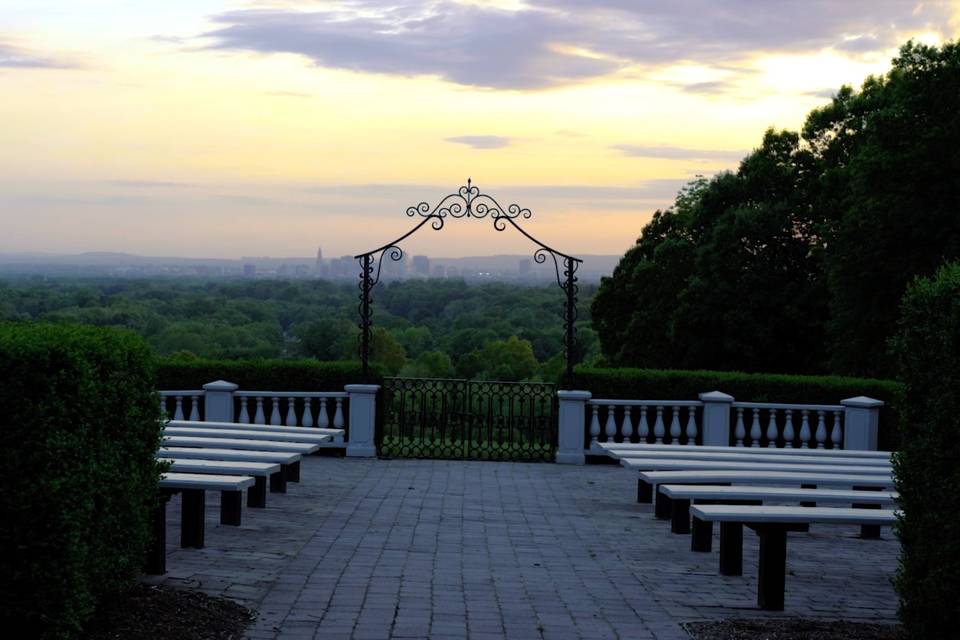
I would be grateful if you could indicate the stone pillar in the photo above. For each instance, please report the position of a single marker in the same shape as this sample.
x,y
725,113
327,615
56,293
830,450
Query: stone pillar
x,y
571,424
218,401
716,418
861,420
363,420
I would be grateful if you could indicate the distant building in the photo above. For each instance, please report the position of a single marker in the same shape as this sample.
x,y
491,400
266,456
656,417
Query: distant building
x,y
319,267
421,265
249,270
453,272
438,271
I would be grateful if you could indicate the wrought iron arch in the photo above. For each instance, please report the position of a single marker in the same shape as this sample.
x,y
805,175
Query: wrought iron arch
x,y
469,202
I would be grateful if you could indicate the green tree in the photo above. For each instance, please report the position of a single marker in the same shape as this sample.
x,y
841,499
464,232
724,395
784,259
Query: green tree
x,y
385,350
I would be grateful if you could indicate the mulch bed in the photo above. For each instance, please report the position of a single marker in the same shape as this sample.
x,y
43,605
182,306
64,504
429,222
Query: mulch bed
x,y
792,629
161,613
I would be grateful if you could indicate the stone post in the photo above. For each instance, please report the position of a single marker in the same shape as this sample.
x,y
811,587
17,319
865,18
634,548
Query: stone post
x,y
218,401
716,418
861,420
363,420
571,423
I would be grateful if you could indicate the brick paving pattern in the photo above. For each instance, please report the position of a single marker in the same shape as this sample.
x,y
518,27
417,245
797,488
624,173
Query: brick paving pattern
x,y
365,549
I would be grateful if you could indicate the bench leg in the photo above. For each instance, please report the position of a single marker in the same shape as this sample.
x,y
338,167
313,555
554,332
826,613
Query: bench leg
x,y
662,506
773,567
230,507
278,484
731,549
156,564
680,516
293,471
257,494
701,538
644,492
191,518
868,531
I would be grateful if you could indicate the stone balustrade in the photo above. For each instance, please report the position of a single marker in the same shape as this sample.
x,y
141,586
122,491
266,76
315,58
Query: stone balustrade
x,y
644,421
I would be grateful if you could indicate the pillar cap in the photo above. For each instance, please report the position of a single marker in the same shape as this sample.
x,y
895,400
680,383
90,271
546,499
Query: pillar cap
x,y
361,388
574,395
862,402
220,385
716,396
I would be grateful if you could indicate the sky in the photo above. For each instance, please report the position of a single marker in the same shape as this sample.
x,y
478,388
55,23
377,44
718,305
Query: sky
x,y
219,128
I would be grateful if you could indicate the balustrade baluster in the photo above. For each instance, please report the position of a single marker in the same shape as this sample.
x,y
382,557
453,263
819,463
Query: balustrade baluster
x,y
338,414
626,425
323,418
675,426
244,413
178,412
307,412
836,435
821,429
610,428
772,429
658,429
594,424
291,420
259,418
804,429
740,432
691,426
754,427
643,429
275,410
194,408
788,433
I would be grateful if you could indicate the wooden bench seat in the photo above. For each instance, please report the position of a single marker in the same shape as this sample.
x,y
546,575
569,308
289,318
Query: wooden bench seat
x,y
682,495
737,455
257,495
850,453
245,426
289,462
772,524
304,448
194,488
241,434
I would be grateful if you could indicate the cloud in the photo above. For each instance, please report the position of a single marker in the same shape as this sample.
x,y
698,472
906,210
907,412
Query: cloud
x,y
481,142
16,58
822,93
668,152
548,43
149,184
706,87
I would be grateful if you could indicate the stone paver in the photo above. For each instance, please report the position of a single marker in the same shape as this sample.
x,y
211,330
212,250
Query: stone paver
x,y
450,549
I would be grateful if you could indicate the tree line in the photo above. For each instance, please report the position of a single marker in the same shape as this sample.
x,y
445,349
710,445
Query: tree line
x,y
796,262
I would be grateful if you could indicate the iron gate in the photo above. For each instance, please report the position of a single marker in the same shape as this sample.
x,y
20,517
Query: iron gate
x,y
466,419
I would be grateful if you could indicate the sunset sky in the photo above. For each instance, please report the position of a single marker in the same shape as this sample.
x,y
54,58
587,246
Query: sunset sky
x,y
222,128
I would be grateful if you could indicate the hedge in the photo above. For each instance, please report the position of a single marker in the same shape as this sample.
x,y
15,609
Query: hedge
x,y
676,384
927,472
260,375
78,436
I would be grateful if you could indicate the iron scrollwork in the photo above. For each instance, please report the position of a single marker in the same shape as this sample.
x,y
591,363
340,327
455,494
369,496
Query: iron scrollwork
x,y
469,202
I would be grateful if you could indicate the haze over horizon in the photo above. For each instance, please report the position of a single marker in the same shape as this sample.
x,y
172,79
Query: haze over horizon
x,y
221,128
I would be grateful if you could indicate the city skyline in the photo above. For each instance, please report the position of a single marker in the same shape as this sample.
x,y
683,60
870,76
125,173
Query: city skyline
x,y
217,127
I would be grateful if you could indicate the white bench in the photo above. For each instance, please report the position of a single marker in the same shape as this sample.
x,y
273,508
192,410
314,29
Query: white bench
x,y
289,462
304,448
682,495
772,525
245,426
241,434
194,488
736,455
852,453
680,464
257,495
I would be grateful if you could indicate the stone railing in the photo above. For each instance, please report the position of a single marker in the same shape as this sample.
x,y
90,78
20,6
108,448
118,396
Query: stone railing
x,y
353,410
716,419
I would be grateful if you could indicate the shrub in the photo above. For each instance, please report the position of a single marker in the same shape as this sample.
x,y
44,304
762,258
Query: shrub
x,y
927,348
256,375
77,441
748,387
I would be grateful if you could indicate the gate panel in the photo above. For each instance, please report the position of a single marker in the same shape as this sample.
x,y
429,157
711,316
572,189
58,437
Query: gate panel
x,y
463,419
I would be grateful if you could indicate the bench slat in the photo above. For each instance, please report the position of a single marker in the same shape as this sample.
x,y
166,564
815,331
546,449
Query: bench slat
x,y
667,464
234,443
713,492
172,480
764,477
736,456
244,426
606,446
241,434
790,515
204,453
222,467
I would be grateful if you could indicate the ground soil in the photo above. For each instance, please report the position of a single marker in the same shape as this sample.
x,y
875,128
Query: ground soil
x,y
792,629
161,613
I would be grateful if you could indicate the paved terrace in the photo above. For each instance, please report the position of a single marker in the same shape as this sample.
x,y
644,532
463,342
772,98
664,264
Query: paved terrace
x,y
450,549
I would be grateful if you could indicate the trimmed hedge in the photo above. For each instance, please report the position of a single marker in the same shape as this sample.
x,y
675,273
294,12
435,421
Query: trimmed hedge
x,y
77,441
927,470
675,384
259,375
